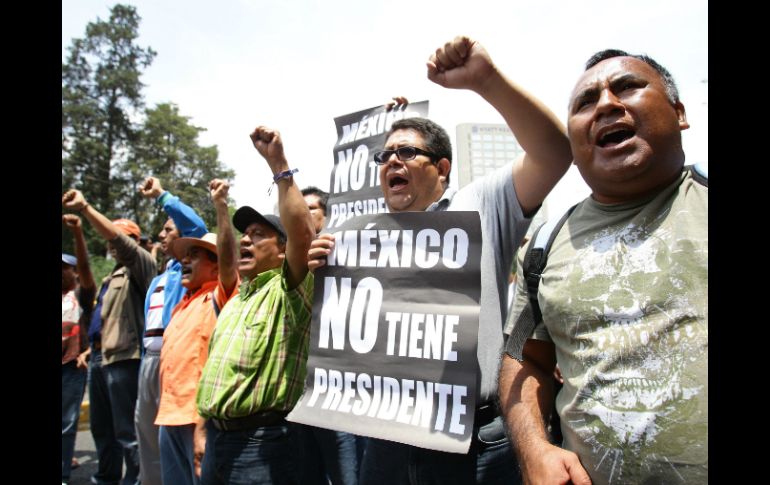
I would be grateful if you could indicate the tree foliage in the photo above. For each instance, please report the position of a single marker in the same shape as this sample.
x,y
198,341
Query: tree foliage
x,y
110,143
101,90
167,148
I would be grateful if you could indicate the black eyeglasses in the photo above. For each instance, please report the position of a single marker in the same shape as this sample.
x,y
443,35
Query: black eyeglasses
x,y
403,154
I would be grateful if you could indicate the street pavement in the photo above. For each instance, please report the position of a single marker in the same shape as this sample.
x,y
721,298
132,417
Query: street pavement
x,y
85,452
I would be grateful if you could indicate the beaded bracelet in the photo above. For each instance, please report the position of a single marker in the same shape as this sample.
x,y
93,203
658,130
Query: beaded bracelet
x,y
282,175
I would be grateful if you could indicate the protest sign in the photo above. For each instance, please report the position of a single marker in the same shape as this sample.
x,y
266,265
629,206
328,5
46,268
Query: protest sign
x,y
394,330
354,187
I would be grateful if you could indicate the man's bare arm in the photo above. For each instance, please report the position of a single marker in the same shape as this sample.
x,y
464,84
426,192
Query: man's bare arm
x,y
85,276
227,249
74,200
295,216
464,63
526,397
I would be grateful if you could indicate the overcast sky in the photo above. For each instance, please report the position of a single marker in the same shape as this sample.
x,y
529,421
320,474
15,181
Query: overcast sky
x,y
295,65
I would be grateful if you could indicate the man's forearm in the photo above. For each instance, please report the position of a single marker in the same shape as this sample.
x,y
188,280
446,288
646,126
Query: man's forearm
x,y
295,215
300,232
526,397
81,253
227,251
101,223
535,126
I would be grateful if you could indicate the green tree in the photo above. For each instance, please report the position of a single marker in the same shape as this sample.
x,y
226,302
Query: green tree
x,y
167,147
101,91
109,144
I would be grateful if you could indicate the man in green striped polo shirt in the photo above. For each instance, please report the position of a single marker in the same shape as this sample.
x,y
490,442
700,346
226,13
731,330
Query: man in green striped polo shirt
x,y
255,371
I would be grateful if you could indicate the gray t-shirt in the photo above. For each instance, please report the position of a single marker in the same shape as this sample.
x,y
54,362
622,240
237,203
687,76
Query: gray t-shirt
x,y
624,298
503,226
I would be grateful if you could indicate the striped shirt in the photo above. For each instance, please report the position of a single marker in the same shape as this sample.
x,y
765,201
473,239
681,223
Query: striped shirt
x,y
70,331
258,351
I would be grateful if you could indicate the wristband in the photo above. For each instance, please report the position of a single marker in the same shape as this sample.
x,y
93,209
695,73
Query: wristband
x,y
283,175
161,200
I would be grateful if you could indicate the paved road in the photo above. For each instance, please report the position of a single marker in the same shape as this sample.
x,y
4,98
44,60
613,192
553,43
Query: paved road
x,y
85,452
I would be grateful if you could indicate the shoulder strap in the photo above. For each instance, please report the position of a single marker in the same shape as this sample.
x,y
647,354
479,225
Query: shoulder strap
x,y
537,256
532,267
700,173
216,307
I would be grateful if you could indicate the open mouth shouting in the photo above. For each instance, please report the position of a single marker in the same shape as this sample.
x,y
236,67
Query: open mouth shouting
x,y
396,182
247,256
614,135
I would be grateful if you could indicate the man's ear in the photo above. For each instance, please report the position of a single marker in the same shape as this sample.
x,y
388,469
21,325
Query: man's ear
x,y
681,116
444,166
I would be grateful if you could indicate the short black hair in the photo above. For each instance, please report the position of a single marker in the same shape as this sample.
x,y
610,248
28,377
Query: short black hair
x,y
323,197
668,80
436,137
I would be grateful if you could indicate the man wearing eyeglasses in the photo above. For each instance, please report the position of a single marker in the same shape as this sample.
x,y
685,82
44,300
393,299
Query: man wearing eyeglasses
x,y
414,176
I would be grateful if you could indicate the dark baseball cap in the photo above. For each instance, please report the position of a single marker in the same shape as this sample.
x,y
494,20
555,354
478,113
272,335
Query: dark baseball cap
x,y
245,216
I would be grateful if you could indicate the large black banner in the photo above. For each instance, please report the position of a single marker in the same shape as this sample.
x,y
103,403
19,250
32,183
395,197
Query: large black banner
x,y
354,188
394,330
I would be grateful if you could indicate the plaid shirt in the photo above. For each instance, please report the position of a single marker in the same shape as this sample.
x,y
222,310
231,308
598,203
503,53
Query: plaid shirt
x,y
258,351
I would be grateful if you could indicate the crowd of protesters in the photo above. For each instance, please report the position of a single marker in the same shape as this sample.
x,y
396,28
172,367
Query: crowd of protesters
x,y
192,368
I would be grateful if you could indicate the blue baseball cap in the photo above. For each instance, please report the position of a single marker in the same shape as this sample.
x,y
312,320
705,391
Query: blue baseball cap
x,y
69,259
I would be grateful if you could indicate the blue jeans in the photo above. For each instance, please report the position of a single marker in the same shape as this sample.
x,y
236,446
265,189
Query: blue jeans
x,y
73,386
176,455
266,454
328,453
112,393
489,460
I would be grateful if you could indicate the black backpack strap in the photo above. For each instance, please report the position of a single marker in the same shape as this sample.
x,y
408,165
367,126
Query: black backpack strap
x,y
538,255
533,265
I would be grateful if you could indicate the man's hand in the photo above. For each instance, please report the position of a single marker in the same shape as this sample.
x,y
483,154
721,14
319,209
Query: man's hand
x,y
269,144
199,444
553,465
320,248
82,362
461,63
151,188
397,102
218,190
72,222
557,374
74,200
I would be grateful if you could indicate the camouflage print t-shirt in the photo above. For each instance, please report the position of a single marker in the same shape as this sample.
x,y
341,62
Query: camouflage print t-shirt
x,y
625,301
